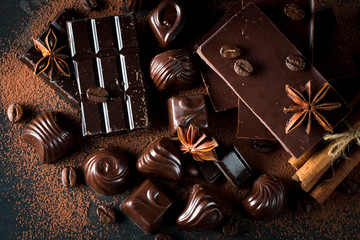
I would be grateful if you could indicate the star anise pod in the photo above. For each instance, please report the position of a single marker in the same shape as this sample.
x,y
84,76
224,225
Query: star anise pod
x,y
308,108
51,57
199,145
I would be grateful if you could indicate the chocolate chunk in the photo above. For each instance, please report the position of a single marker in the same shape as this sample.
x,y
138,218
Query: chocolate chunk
x,y
15,112
263,146
109,58
106,170
187,110
136,5
209,171
166,21
230,227
201,213
106,214
47,137
173,70
192,170
266,200
68,177
147,206
161,159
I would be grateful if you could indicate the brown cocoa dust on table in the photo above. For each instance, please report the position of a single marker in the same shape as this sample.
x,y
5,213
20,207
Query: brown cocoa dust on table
x,y
45,209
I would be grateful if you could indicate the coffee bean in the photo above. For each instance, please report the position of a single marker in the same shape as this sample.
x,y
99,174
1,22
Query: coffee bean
x,y
230,51
106,214
69,177
97,94
230,227
162,236
263,146
89,4
243,67
294,11
350,187
295,63
15,112
192,170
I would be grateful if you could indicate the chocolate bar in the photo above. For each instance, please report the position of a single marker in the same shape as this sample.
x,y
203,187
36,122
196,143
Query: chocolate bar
x,y
108,58
264,90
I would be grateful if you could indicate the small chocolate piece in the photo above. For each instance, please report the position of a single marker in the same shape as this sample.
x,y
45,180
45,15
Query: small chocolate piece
x,y
97,94
136,5
201,213
173,70
230,51
69,177
192,170
89,4
294,11
243,67
162,236
106,170
266,200
106,214
160,158
230,227
147,206
47,137
350,187
209,171
186,110
295,63
263,145
166,21
15,112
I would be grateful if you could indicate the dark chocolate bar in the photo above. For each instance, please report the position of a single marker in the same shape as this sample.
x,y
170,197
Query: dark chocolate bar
x,y
105,54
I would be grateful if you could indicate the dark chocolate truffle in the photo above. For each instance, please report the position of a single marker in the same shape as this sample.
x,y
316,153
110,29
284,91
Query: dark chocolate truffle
x,y
266,200
48,139
161,159
173,70
106,170
201,213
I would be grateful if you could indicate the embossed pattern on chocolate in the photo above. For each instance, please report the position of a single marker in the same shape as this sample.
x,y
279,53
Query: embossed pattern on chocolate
x,y
201,213
106,170
161,159
174,70
47,137
266,200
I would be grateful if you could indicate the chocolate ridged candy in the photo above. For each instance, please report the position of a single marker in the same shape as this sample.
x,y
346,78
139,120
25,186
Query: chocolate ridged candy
x,y
136,5
266,200
160,158
106,170
201,213
48,139
173,70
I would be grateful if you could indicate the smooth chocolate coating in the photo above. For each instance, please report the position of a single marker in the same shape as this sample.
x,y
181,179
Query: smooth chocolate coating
x,y
201,213
106,170
266,200
47,137
174,70
160,158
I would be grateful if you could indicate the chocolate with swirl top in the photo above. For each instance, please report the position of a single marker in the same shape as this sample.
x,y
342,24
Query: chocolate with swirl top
x,y
47,137
173,70
266,200
201,213
106,170
160,158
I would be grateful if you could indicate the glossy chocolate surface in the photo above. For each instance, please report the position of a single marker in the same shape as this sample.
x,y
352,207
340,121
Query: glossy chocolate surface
x,y
109,58
173,70
47,137
160,158
209,171
106,170
201,213
147,206
266,200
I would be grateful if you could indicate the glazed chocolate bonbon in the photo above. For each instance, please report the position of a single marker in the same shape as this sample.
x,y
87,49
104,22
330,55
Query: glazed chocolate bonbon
x,y
47,137
106,170
109,58
147,206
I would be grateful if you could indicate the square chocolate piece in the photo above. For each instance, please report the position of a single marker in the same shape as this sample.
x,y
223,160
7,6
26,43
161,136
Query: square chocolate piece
x,y
147,206
187,110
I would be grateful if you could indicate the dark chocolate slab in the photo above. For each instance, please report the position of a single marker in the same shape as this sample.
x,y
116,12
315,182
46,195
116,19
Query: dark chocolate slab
x,y
105,54
264,91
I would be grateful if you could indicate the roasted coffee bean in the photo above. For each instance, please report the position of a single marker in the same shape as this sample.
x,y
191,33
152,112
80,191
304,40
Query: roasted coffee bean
x,y
162,236
230,51
106,214
89,4
192,170
263,146
243,67
294,11
97,94
230,227
350,187
295,63
15,112
69,177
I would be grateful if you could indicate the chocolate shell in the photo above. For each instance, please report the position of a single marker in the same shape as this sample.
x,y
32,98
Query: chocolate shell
x,y
161,159
173,70
47,137
106,170
266,200
201,213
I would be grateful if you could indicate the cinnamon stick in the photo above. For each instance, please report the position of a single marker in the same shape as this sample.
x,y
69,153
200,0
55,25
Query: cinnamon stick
x,y
297,163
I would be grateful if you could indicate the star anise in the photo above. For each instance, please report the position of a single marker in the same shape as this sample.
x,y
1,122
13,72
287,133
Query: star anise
x,y
199,145
51,57
308,108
